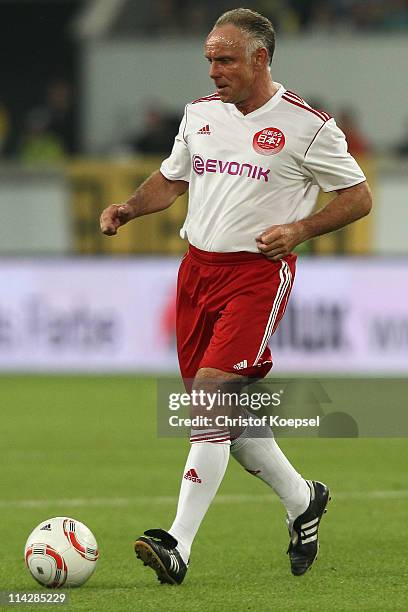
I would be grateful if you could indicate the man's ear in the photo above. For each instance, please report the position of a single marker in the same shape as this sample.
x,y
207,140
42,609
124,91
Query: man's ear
x,y
260,58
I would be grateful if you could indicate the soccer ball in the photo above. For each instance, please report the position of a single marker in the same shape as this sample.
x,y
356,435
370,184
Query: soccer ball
x,y
61,552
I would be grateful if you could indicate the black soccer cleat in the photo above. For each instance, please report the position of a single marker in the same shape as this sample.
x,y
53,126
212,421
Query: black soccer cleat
x,y
304,541
158,551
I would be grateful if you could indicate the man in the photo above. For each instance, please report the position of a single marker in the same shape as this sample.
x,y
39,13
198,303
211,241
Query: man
x,y
253,156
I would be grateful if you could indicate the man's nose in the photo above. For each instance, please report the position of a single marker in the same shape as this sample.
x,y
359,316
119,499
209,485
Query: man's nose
x,y
214,70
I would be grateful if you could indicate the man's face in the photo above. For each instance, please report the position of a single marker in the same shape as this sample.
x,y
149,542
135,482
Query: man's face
x,y
232,71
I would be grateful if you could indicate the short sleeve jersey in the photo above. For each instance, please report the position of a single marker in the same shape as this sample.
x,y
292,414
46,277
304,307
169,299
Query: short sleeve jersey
x,y
248,172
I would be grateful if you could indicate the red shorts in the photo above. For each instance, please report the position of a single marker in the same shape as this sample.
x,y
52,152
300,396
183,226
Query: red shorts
x,y
228,306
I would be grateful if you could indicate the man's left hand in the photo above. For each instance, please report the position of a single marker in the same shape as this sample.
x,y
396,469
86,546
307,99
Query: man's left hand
x,y
279,240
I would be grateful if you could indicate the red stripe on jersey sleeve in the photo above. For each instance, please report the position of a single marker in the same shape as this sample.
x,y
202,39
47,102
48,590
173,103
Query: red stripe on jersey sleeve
x,y
213,96
301,104
314,138
296,96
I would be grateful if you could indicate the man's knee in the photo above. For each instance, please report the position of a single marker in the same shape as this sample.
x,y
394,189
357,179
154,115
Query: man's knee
x,y
218,378
216,392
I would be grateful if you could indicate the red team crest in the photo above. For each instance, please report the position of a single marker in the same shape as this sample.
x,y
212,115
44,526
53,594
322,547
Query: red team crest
x,y
268,141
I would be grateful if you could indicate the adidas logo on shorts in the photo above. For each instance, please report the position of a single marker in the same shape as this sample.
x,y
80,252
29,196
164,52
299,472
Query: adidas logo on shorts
x,y
241,365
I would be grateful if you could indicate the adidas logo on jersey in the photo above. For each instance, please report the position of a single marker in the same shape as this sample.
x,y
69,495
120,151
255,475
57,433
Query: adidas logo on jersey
x,y
193,476
241,365
204,130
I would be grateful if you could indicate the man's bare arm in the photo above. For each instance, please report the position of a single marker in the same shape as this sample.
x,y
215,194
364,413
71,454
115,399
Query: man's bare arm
x,y
349,205
155,194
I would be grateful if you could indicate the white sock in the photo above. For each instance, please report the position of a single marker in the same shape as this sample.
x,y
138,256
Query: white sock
x,y
263,458
205,469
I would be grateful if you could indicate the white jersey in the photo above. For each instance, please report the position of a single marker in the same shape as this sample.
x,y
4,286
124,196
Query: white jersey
x,y
248,172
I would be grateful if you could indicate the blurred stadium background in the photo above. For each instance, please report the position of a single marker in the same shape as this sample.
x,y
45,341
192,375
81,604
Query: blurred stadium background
x,y
92,92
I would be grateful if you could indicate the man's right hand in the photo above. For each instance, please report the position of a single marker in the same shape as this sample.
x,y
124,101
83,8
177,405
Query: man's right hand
x,y
113,217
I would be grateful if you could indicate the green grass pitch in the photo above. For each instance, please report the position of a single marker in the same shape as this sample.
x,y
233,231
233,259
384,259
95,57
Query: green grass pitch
x,y
87,447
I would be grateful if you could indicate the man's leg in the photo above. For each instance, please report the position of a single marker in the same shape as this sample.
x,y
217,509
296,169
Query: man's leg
x,y
257,451
203,473
208,459
305,501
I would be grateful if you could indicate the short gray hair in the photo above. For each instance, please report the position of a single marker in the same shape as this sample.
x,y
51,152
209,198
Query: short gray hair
x,y
259,29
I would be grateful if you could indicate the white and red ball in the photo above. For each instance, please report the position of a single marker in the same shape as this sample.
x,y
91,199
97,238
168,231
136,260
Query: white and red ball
x,y
61,552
